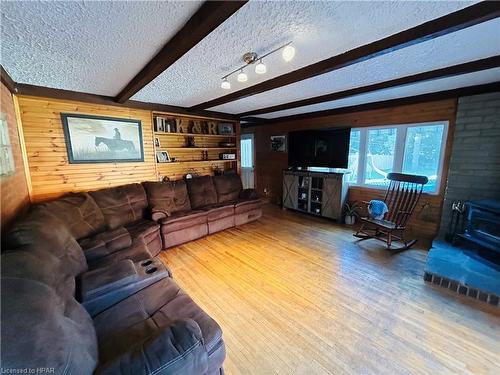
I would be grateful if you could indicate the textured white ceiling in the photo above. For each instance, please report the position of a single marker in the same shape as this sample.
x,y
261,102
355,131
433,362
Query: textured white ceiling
x,y
319,30
94,47
471,79
97,47
473,43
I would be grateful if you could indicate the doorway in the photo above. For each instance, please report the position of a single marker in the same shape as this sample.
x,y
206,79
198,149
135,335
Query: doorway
x,y
247,161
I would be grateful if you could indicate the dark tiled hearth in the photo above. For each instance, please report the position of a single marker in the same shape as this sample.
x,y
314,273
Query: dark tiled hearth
x,y
463,272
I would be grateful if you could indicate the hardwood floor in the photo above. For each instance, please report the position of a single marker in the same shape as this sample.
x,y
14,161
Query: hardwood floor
x,y
296,295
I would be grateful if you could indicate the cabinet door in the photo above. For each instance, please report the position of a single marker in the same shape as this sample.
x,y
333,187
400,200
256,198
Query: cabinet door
x,y
290,190
332,192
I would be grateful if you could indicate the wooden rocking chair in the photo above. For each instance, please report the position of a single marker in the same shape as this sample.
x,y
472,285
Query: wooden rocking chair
x,y
401,198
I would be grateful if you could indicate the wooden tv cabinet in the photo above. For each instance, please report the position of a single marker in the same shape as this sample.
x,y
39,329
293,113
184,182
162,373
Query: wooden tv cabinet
x,y
316,193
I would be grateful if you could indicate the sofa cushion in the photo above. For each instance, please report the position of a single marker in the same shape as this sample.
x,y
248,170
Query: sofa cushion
x,y
40,266
201,191
150,312
106,243
183,219
142,228
219,211
39,230
136,252
79,213
147,232
228,187
169,197
122,204
244,205
44,331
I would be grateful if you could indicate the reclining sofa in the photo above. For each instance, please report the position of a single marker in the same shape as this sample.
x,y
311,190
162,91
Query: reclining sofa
x,y
83,292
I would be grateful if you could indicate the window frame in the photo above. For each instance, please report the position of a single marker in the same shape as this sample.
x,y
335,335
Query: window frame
x,y
399,151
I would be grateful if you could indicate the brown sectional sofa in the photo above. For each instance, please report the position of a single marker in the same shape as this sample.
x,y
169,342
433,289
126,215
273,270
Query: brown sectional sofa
x,y
82,291
191,209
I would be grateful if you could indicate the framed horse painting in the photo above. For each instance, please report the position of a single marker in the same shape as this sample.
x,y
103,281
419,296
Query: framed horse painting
x,y
97,139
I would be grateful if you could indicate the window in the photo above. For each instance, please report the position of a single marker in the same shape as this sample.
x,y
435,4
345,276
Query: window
x,y
415,149
6,158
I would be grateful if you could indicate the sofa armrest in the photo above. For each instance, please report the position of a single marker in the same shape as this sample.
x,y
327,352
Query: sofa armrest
x,y
174,349
249,194
158,213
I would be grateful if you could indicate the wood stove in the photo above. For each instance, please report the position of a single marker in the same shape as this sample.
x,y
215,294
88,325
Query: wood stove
x,y
471,268
483,224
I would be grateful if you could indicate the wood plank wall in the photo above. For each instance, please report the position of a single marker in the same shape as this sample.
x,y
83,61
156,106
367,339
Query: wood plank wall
x,y
14,188
269,165
51,174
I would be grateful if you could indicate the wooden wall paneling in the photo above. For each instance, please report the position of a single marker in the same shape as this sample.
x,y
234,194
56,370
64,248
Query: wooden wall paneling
x,y
269,164
50,172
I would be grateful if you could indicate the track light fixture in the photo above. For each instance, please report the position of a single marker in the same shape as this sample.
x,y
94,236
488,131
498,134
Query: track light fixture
x,y
225,84
288,53
260,68
242,76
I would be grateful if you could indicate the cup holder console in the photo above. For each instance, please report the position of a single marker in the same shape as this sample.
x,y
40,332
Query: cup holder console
x,y
146,263
151,270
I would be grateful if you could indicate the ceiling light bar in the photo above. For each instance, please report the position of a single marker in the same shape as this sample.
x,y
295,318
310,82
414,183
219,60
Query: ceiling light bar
x,y
251,58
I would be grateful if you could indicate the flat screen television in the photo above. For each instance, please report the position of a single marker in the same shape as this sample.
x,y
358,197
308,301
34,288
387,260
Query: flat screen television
x,y
319,148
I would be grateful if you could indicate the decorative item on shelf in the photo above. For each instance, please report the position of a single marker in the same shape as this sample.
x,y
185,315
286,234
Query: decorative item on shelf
x,y
157,142
249,58
165,179
97,139
196,127
226,128
190,141
182,126
351,212
170,126
211,127
278,143
227,144
164,125
159,124
162,157
227,156
191,173
217,171
174,160
204,155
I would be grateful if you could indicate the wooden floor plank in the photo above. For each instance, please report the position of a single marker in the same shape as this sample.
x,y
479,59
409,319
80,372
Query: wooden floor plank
x,y
297,295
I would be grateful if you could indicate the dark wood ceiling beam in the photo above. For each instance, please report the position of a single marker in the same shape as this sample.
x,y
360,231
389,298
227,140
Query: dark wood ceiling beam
x,y
7,80
47,92
472,15
206,19
450,71
435,96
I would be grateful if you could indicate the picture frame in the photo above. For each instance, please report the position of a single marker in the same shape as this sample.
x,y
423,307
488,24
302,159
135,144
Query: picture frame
x,y
278,143
225,128
99,139
157,142
162,157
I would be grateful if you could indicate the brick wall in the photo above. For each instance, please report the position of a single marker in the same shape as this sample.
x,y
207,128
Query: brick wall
x,y
13,188
474,170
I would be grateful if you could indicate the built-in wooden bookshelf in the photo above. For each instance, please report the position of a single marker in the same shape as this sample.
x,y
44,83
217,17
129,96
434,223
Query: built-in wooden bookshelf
x,y
201,158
